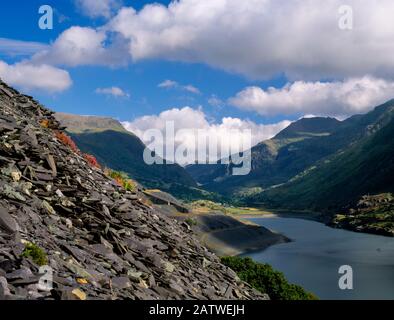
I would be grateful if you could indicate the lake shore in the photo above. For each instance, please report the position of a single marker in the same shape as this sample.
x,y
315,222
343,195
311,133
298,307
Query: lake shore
x,y
227,235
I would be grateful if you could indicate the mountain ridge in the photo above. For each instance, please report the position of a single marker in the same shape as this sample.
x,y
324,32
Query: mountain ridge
x,y
291,152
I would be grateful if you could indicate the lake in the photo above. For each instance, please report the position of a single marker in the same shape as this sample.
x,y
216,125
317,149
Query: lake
x,y
313,258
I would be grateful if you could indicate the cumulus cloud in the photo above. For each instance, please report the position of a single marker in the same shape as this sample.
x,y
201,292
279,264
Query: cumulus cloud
x,y
83,46
98,8
113,91
229,132
355,95
35,77
262,38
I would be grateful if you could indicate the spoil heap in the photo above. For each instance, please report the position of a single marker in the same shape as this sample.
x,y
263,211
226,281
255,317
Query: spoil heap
x,y
100,241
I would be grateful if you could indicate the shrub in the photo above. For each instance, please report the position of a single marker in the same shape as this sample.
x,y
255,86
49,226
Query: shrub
x,y
121,179
191,222
67,141
265,279
35,253
44,123
91,160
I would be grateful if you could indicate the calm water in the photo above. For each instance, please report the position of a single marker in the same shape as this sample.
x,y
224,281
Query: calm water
x,y
313,258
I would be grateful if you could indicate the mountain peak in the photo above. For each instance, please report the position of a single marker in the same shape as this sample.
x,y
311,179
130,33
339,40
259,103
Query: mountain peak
x,y
317,126
80,124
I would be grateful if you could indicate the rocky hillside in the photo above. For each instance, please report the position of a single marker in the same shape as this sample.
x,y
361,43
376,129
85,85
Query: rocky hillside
x,y
372,214
100,241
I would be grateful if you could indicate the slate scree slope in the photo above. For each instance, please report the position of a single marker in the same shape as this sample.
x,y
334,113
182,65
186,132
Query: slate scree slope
x,y
100,241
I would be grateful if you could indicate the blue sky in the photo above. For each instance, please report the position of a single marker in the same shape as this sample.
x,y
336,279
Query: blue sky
x,y
139,80
257,62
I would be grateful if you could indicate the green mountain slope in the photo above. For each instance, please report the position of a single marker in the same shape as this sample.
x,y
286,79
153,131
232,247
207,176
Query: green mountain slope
x,y
124,152
121,150
294,151
339,181
276,160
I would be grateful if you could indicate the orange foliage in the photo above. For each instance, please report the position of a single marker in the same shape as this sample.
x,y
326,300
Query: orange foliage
x,y
66,140
44,123
91,160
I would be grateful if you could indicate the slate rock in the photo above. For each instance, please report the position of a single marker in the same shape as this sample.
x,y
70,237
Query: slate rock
x,y
6,221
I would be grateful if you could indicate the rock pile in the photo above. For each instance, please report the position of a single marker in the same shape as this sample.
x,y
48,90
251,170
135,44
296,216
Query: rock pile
x,y
98,240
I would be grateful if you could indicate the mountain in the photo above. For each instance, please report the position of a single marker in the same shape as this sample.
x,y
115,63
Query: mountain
x,y
98,240
322,165
121,150
340,180
313,127
277,160
82,124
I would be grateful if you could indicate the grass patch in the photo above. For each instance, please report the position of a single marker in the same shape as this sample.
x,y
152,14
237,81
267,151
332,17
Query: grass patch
x,y
34,252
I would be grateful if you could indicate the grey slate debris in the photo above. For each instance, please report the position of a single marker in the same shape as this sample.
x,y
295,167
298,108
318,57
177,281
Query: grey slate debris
x,y
100,241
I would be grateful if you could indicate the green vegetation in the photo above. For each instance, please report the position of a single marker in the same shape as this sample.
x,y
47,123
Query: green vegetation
x,y
122,179
189,193
208,206
34,252
264,278
191,222
372,214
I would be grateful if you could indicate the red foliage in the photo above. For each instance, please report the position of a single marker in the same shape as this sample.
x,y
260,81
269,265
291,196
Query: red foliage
x,y
91,160
66,140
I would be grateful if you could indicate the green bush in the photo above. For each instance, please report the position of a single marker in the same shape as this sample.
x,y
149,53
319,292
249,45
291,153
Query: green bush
x,y
191,222
122,179
265,279
35,253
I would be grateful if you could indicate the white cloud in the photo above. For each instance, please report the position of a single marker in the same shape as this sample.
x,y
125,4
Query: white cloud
x,y
191,89
98,8
13,47
168,84
262,38
355,95
195,119
83,46
113,91
35,77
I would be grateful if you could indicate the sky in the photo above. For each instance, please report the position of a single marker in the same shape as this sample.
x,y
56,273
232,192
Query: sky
x,y
257,64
